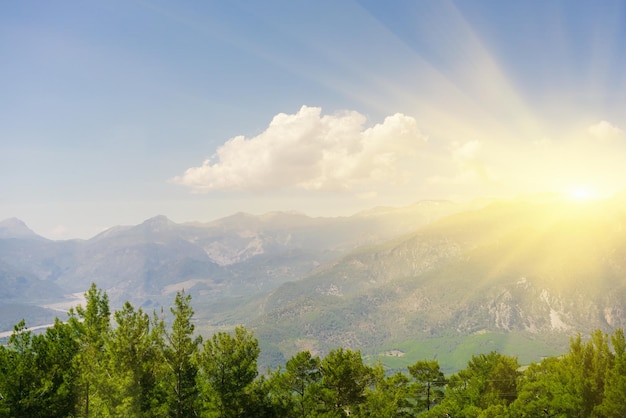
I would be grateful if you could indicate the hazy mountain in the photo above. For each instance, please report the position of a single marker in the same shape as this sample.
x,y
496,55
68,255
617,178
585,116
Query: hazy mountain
x,y
537,270
224,261
26,265
433,279
15,228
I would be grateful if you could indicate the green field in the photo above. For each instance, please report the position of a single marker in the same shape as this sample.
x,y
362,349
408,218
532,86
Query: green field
x,y
453,353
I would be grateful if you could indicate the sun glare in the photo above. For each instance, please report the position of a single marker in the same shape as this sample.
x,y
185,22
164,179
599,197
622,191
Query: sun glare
x,y
582,193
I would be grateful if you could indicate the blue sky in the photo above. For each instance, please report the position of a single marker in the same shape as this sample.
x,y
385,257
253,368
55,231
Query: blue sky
x,y
113,112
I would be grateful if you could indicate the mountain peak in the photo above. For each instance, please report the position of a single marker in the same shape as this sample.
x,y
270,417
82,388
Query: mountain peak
x,y
158,222
16,228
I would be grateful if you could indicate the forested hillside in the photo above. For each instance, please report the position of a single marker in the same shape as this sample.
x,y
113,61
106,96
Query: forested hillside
x,y
131,364
226,260
518,276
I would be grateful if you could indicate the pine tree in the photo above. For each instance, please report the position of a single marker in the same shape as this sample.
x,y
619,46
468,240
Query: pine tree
x,y
430,381
56,351
301,372
344,380
91,326
388,398
20,385
229,364
180,356
613,405
135,355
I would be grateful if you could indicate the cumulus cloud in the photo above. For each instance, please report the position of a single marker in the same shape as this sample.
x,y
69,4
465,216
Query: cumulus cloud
x,y
471,167
604,130
310,151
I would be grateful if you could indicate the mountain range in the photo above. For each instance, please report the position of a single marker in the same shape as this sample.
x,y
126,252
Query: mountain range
x,y
218,262
519,277
435,279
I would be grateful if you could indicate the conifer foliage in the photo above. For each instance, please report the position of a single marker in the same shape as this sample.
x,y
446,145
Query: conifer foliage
x,y
130,364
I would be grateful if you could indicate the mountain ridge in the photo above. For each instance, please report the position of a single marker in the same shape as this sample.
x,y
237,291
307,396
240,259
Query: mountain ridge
x,y
538,271
16,228
232,257
435,274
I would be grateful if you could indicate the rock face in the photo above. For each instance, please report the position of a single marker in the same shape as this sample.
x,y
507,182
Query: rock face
x,y
536,268
228,259
540,269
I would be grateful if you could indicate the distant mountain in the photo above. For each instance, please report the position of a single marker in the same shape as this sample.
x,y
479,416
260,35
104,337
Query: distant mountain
x,y
537,271
435,279
25,267
224,261
15,228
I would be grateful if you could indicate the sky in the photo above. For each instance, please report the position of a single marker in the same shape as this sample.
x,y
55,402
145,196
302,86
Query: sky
x,y
112,112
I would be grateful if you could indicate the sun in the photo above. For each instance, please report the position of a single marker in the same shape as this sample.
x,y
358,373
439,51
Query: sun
x,y
581,193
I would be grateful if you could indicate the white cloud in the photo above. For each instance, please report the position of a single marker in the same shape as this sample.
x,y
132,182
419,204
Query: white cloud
x,y
466,152
604,130
59,232
309,151
471,169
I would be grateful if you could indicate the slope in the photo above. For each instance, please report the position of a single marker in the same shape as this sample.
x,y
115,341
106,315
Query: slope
x,y
530,271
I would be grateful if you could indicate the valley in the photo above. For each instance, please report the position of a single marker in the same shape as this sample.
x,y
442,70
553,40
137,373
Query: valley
x,y
434,280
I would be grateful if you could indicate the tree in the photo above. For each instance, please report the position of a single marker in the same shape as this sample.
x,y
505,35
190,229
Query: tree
x,y
56,351
36,373
91,327
20,383
430,380
388,398
180,357
494,377
586,365
546,389
587,381
344,380
135,355
291,388
489,380
229,365
264,398
613,404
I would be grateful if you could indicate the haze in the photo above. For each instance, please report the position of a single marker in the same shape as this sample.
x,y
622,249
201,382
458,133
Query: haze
x,y
113,112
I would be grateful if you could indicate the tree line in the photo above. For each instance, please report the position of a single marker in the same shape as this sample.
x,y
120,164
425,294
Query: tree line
x,y
138,367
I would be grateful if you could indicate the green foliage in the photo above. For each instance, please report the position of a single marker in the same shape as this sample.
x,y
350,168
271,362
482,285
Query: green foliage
x,y
613,404
135,364
489,379
389,397
429,382
344,381
587,381
91,327
36,374
229,367
302,372
56,350
20,381
180,355
547,388
138,368
452,351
